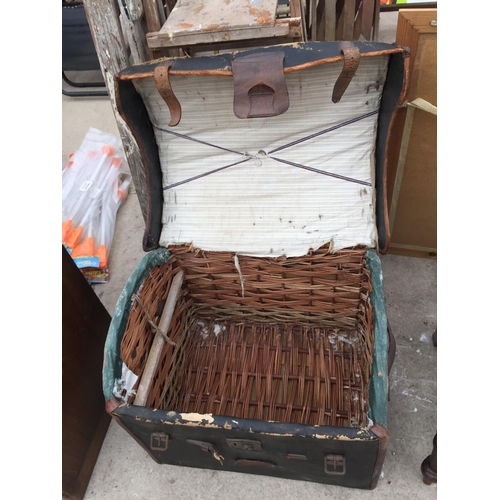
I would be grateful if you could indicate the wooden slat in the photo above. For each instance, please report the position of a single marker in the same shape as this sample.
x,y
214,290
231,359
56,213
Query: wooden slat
x,y
153,22
314,20
109,42
159,341
412,24
348,17
303,21
420,5
197,22
170,5
320,20
357,22
161,11
295,10
330,19
340,25
367,19
134,9
152,15
376,21
134,34
201,49
159,39
201,16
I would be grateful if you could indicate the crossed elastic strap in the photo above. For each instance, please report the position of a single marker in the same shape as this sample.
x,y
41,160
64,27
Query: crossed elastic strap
x,y
270,154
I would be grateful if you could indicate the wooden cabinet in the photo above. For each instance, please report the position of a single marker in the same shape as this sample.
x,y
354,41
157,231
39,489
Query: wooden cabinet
x,y
412,169
85,323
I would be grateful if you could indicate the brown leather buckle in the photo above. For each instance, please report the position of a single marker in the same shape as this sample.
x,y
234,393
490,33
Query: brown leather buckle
x,y
259,85
351,63
162,81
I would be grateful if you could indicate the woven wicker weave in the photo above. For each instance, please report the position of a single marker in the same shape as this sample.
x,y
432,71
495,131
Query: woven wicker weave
x,y
275,339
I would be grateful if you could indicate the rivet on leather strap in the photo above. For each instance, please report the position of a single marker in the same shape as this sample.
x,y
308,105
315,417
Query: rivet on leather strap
x,y
351,63
162,81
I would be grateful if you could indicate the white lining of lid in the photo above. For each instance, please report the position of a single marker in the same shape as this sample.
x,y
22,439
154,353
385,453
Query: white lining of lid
x,y
262,207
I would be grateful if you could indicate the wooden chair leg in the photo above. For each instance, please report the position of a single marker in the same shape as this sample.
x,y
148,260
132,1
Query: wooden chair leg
x,y
429,465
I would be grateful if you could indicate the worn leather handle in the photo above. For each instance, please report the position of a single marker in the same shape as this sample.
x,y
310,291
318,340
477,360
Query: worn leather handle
x,y
351,63
259,85
162,81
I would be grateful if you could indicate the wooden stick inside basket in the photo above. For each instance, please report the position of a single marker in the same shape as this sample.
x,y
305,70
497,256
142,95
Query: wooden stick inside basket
x,y
159,341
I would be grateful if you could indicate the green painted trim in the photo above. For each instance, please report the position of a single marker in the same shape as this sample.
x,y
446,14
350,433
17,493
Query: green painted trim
x,y
112,366
379,382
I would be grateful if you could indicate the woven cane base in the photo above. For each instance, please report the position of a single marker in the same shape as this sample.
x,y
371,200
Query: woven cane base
x,y
286,340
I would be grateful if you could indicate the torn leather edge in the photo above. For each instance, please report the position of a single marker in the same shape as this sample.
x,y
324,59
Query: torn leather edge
x,y
351,62
162,82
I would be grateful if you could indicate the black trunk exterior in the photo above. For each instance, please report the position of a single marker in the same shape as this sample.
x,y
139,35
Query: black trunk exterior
x,y
285,450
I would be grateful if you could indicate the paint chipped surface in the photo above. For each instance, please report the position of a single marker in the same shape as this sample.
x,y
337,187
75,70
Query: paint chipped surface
x,y
339,437
198,424
197,417
281,435
264,17
193,16
325,436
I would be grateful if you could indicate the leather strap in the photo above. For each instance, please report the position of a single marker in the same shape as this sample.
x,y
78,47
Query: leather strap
x,y
259,85
162,81
351,63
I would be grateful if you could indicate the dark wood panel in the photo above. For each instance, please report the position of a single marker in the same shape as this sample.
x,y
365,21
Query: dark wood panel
x,y
85,323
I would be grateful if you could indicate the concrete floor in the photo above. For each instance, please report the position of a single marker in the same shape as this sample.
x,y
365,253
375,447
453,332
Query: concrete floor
x,y
124,470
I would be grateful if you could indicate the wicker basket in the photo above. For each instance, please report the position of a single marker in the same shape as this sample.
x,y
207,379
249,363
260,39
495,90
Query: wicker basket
x,y
286,340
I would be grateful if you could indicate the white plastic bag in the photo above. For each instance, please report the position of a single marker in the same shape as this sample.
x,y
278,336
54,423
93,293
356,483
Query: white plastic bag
x,y
94,183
